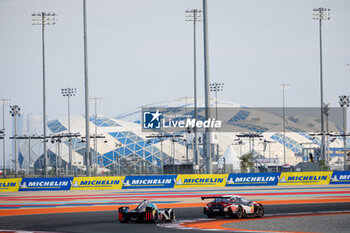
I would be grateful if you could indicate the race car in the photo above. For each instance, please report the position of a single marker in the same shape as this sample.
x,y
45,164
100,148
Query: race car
x,y
232,206
146,211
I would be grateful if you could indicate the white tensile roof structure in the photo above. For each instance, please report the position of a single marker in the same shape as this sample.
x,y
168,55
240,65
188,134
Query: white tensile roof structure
x,y
124,140
230,158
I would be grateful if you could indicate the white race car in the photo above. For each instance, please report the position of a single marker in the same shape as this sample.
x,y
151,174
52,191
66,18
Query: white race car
x,y
232,206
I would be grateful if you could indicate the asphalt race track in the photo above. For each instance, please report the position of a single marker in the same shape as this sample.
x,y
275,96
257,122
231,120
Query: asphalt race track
x,y
106,221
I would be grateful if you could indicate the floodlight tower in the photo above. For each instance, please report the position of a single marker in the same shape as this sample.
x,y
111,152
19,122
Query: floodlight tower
x,y
284,87
194,16
68,92
43,19
321,14
216,87
207,142
4,102
95,101
14,113
86,87
344,103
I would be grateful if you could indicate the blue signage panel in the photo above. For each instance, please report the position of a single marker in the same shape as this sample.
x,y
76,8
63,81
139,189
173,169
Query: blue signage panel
x,y
252,179
340,177
45,184
132,182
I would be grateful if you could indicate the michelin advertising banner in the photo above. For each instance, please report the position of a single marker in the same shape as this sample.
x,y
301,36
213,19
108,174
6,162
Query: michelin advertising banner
x,y
135,182
200,180
45,184
304,178
340,177
252,179
174,181
10,185
97,183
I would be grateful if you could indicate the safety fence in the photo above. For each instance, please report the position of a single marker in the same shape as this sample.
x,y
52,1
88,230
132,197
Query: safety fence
x,y
174,181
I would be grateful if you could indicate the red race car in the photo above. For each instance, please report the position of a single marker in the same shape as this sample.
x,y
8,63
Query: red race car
x,y
232,206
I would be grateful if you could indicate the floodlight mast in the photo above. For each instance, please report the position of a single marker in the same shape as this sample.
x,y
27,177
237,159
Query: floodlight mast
x,y
43,19
4,102
86,84
344,102
207,134
14,113
68,92
95,101
284,87
194,16
321,14
216,87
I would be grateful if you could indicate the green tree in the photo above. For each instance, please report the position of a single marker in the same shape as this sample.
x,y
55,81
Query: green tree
x,y
323,165
246,162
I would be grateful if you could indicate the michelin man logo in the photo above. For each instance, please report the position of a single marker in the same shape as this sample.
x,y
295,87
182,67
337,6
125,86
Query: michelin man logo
x,y
334,179
229,181
23,186
151,120
179,182
126,183
75,185
282,180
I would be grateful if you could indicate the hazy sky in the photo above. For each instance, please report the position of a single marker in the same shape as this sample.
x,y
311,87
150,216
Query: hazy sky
x,y
140,52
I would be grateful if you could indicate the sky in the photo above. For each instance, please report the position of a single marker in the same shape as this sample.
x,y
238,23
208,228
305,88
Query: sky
x,y
141,52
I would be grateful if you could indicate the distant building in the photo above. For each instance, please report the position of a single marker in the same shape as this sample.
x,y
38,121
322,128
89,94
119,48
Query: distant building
x,y
125,145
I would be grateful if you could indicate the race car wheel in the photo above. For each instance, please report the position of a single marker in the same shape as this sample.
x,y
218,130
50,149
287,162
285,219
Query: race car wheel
x,y
156,217
122,218
259,212
231,214
172,217
239,213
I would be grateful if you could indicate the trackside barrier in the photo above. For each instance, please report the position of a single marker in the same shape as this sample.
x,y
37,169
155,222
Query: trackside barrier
x,y
10,185
304,178
200,180
340,177
97,183
174,181
45,184
139,182
251,179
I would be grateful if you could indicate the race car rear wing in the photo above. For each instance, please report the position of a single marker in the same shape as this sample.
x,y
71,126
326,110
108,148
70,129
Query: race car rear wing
x,y
211,197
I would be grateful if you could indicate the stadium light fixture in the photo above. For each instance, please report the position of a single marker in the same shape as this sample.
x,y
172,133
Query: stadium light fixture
x,y
95,101
43,19
321,14
4,102
86,88
207,135
68,92
14,113
284,87
194,16
344,103
216,87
